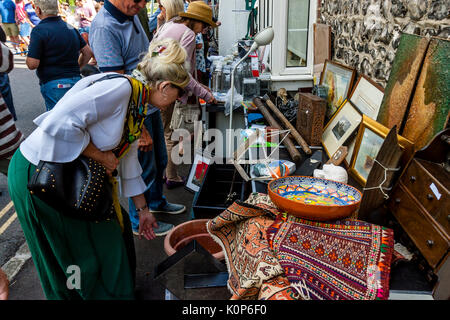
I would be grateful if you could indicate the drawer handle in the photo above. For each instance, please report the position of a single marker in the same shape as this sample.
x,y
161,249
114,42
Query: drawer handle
x,y
430,243
448,217
397,200
412,179
430,197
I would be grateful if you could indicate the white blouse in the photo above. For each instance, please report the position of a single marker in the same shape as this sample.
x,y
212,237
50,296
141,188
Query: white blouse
x,y
96,113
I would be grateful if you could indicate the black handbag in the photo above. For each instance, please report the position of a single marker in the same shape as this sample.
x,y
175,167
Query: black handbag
x,y
79,189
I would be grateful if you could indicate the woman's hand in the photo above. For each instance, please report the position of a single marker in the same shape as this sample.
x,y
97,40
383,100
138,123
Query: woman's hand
x,y
110,162
147,222
4,286
212,100
106,158
145,142
210,97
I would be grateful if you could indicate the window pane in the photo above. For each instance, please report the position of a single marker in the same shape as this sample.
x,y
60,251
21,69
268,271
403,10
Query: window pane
x,y
297,36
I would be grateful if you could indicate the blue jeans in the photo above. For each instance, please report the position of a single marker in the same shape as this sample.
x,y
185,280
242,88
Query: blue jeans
x,y
153,164
5,90
53,90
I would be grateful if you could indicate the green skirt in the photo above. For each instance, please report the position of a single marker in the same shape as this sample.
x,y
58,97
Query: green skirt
x,y
75,259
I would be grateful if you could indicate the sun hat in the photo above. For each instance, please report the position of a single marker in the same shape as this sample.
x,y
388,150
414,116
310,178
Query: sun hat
x,y
200,11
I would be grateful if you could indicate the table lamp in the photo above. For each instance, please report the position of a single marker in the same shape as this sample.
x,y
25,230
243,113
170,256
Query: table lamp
x,y
262,38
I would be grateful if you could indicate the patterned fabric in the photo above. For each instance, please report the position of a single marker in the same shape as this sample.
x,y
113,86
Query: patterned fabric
x,y
344,260
200,53
241,231
10,136
278,288
134,121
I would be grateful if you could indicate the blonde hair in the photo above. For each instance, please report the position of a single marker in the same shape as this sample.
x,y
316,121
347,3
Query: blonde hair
x,y
173,8
48,7
165,61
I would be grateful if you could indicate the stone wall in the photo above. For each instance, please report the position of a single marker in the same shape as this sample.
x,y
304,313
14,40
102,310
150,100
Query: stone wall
x,y
366,33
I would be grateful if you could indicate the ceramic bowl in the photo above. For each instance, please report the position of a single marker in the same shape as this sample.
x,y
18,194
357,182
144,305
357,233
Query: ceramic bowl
x,y
190,230
314,198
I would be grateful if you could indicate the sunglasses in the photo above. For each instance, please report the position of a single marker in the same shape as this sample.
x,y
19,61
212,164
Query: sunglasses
x,y
181,91
138,1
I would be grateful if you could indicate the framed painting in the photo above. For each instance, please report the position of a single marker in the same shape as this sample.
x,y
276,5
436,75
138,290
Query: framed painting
x,y
429,112
340,127
402,79
367,96
370,138
339,80
198,171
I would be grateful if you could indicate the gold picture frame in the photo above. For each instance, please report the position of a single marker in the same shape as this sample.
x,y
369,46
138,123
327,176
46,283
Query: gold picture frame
x,y
370,138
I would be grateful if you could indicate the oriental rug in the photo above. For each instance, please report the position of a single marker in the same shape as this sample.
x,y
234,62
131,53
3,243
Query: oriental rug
x,y
343,260
241,231
278,288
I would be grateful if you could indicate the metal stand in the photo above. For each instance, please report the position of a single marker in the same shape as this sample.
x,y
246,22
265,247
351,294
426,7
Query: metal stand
x,y
192,273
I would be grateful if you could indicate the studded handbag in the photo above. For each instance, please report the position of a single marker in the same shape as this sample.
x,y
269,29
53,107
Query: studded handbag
x,y
79,189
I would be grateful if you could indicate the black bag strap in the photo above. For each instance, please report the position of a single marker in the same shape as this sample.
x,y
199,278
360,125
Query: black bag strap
x,y
108,76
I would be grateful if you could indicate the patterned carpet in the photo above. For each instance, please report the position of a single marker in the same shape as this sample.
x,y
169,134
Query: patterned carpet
x,y
271,255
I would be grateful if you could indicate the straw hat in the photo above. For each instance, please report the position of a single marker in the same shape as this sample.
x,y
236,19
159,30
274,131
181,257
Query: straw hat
x,y
200,11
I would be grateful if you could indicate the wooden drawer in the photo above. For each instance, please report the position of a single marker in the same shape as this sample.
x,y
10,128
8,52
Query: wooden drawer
x,y
425,188
418,225
443,216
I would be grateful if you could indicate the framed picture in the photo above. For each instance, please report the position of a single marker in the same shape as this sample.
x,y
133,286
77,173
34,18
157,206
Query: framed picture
x,y
367,96
339,80
340,127
370,138
198,171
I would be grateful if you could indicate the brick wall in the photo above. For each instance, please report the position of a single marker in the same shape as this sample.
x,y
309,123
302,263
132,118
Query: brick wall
x,y
366,33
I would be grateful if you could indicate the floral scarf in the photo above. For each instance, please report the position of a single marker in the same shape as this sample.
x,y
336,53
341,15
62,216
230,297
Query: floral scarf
x,y
134,121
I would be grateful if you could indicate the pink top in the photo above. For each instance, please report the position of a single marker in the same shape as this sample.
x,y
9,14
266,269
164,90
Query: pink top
x,y
186,37
84,12
20,13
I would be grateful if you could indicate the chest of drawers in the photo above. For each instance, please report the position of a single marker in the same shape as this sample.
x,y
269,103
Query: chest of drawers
x,y
420,203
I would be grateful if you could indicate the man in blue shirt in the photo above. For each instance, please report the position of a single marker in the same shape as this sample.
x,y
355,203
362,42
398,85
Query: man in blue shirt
x,y
118,41
57,51
8,13
117,38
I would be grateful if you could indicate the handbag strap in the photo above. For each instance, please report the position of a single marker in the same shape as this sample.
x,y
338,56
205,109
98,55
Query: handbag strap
x,y
108,77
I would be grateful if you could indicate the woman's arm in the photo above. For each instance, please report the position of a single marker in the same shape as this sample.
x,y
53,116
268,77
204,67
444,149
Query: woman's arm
x,y
198,90
147,220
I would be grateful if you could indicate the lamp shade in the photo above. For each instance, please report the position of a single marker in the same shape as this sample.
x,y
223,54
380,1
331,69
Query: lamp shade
x,y
262,38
